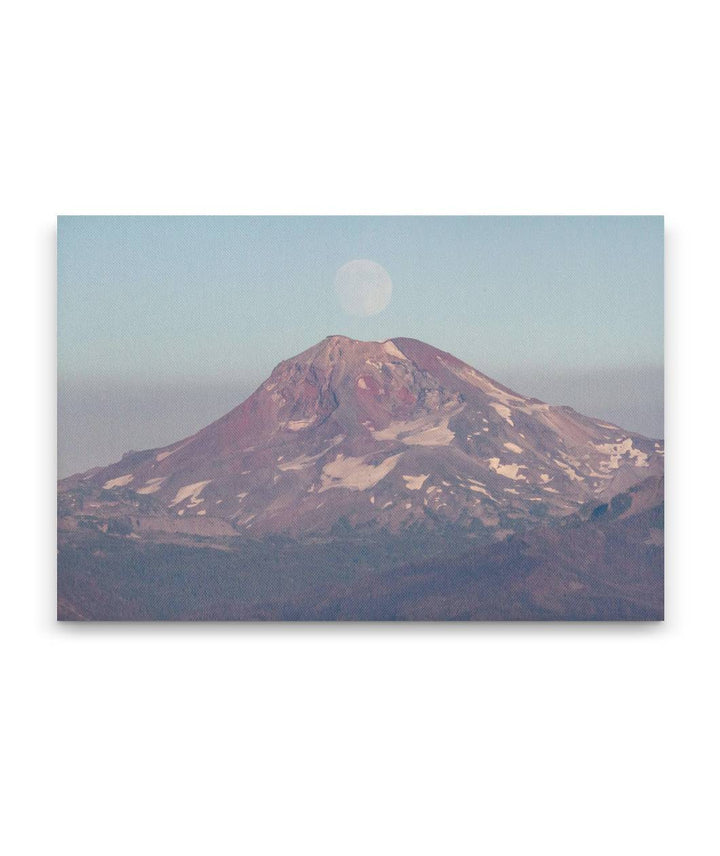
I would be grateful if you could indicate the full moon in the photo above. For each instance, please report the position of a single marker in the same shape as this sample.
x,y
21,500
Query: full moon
x,y
364,287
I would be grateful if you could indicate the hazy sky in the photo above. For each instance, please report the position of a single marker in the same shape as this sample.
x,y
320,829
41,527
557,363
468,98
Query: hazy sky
x,y
151,308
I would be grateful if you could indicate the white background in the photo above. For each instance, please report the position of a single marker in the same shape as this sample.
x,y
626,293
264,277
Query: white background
x,y
359,739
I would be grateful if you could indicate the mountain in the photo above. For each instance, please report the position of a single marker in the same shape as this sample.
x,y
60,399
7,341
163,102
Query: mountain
x,y
362,437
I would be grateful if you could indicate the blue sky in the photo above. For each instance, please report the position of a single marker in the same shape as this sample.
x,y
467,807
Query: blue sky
x,y
148,301
176,296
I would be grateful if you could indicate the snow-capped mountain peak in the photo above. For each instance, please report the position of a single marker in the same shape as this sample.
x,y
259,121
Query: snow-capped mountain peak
x,y
376,434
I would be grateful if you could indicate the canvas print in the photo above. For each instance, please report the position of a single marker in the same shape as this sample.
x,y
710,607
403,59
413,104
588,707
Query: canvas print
x,y
360,418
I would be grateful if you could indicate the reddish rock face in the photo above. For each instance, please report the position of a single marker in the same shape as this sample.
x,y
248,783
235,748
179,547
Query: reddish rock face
x,y
380,434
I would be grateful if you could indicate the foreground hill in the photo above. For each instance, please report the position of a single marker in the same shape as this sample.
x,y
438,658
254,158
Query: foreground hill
x,y
606,567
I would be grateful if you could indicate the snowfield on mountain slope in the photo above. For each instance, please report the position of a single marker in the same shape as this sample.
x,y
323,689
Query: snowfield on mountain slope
x,y
415,482
354,473
390,348
425,431
504,411
150,486
509,471
120,481
617,450
300,424
190,492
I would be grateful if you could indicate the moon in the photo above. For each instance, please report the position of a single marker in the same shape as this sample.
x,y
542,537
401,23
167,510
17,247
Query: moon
x,y
364,287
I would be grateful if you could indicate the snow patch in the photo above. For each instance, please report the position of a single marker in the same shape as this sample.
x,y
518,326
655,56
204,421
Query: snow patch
x,y
617,450
569,471
191,492
415,482
390,348
512,447
162,455
503,411
478,489
419,432
354,473
120,481
299,424
150,486
304,461
509,471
